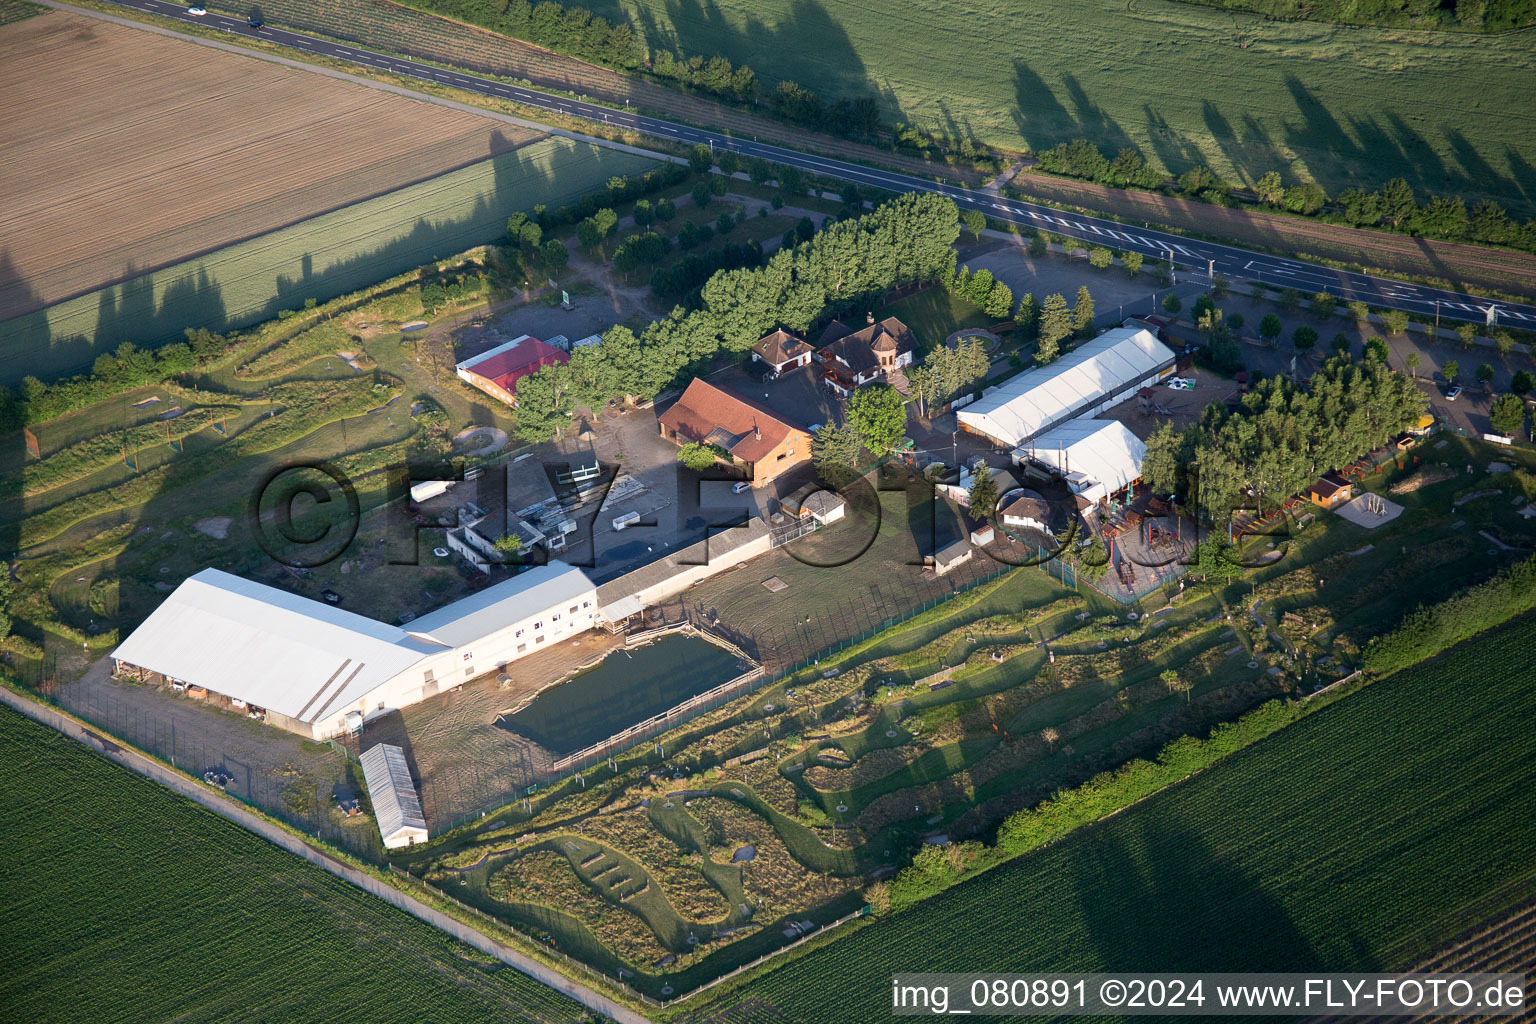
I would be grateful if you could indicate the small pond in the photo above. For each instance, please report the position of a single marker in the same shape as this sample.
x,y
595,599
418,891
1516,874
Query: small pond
x,y
628,686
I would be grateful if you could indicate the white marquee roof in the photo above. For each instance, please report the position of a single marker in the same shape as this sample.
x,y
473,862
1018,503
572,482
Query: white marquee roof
x,y
396,807
274,649
1089,452
1038,399
302,658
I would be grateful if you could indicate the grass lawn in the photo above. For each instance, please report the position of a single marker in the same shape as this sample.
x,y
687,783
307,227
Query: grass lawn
x,y
1360,838
1183,83
130,904
934,314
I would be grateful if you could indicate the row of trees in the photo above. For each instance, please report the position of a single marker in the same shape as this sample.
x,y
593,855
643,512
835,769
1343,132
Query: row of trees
x,y
1394,207
128,367
846,266
1470,15
945,371
1281,437
576,31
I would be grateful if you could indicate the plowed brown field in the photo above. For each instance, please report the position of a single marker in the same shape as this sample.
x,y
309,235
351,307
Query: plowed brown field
x,y
124,151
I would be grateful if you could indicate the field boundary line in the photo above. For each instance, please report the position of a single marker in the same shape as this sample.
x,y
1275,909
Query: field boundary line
x,y
343,76
187,787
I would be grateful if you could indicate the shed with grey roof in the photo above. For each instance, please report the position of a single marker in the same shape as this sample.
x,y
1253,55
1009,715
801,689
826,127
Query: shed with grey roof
x,y
396,808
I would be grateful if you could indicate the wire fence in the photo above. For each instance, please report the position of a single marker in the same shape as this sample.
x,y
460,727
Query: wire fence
x,y
277,788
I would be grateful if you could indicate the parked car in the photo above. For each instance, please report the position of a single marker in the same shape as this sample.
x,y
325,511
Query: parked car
x,y
739,487
1453,394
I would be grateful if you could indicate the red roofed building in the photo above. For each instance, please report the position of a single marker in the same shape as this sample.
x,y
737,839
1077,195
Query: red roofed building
x,y
497,371
758,440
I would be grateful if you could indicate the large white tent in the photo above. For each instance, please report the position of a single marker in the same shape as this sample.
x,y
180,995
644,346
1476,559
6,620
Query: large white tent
x,y
1097,457
309,665
1092,377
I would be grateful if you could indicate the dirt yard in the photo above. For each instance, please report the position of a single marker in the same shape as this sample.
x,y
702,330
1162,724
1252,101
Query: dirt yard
x,y
126,151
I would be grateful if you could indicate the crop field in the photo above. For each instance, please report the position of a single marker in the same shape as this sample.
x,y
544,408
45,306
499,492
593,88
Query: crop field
x,y
319,258
104,181
1360,838
396,28
1185,84
944,724
127,903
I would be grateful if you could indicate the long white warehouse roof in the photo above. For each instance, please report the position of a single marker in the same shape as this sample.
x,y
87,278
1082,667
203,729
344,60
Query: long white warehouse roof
x,y
301,658
396,807
482,613
1036,400
268,647
1089,452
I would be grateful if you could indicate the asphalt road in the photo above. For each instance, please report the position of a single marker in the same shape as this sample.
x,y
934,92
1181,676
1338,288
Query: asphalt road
x,y
1195,259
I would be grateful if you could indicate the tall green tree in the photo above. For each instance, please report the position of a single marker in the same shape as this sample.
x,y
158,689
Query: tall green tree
x,y
1269,188
1270,327
544,403
1397,202
983,493
1028,316
833,447
975,222
1450,371
1055,327
698,457
1082,313
878,413
1507,415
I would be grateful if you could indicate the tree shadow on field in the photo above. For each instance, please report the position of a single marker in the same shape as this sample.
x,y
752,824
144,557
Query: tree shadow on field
x,y
1041,119
1160,899
693,28
154,309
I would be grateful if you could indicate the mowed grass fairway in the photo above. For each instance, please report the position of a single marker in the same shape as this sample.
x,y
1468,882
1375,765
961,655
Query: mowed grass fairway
x,y
124,150
125,903
1184,83
319,258
1360,838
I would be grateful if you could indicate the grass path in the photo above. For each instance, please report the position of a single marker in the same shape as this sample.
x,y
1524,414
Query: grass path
x,y
1362,837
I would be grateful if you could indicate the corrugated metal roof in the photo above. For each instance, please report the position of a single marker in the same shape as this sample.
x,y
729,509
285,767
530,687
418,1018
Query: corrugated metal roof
x,y
395,804
467,620
268,647
1036,400
1103,451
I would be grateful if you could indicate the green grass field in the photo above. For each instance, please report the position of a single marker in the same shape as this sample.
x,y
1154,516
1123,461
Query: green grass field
x,y
1184,83
127,904
320,258
1359,838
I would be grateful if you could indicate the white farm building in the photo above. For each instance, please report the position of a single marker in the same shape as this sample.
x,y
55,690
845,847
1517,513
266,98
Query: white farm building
x,y
1091,378
1097,458
320,671
396,808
